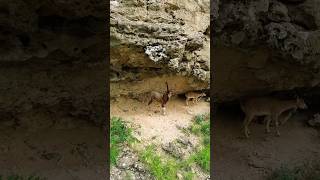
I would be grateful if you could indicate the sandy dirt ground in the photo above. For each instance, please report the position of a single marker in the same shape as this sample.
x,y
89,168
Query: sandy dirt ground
x,y
237,158
151,123
67,150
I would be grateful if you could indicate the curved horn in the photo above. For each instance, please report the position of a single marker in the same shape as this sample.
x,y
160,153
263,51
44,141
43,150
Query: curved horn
x,y
167,86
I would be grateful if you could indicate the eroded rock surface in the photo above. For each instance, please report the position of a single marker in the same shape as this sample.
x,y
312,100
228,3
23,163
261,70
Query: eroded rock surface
x,y
129,166
52,55
265,45
315,121
157,41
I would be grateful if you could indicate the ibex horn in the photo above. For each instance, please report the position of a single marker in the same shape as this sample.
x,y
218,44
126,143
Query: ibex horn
x,y
167,86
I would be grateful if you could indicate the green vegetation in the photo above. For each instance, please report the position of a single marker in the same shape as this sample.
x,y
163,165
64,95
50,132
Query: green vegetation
x,y
167,167
188,176
119,134
19,177
202,158
201,127
160,167
306,172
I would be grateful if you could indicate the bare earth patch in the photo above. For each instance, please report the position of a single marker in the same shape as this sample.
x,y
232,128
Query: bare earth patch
x,y
152,124
68,149
236,158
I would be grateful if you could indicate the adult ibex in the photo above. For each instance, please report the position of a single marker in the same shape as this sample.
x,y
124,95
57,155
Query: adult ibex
x,y
162,98
270,107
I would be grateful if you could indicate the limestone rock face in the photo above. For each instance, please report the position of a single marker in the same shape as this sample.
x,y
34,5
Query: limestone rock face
x,y
262,46
52,56
157,41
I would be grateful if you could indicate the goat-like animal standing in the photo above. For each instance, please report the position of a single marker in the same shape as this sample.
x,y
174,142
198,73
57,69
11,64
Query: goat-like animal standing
x,y
270,107
162,98
194,96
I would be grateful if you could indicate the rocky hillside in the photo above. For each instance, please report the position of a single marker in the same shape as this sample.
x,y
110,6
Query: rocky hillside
x,y
262,46
157,41
53,56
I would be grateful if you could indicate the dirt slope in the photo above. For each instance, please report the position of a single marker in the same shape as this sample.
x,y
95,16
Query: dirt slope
x,y
237,158
69,149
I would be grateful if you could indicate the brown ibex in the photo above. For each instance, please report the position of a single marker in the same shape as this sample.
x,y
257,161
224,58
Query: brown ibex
x,y
162,98
194,96
270,107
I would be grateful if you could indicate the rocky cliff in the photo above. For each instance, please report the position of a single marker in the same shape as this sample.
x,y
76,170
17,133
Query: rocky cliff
x,y
53,56
157,41
262,46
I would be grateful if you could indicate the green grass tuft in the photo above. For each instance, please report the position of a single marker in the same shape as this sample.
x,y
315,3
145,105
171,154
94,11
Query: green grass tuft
x,y
201,127
202,158
119,134
199,118
188,176
158,166
114,153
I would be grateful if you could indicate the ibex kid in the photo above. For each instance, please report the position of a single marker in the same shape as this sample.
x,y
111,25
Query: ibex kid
x,y
194,96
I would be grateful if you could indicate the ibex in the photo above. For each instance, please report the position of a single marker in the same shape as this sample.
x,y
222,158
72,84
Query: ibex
x,y
162,98
195,96
270,107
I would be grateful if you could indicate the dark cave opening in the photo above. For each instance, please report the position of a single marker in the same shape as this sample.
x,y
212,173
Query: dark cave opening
x,y
24,39
81,27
